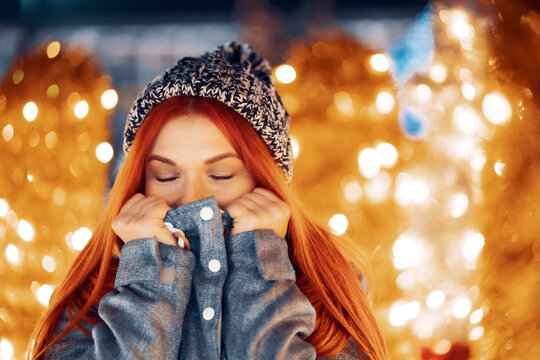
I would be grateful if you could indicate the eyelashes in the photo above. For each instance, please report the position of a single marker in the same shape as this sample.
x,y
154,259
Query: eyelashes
x,y
166,179
214,177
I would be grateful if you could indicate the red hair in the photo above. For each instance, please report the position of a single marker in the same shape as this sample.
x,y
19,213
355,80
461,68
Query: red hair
x,y
323,274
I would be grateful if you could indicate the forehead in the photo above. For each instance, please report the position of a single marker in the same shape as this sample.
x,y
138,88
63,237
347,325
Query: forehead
x,y
193,136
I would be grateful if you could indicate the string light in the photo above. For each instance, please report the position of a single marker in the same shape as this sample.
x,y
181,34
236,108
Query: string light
x,y
423,92
461,307
353,191
472,245
468,91
435,299
4,208
40,138
476,316
369,163
53,49
48,263
81,109
25,230
285,74
344,102
17,76
385,102
295,147
377,189
109,99
409,251
338,224
80,238
6,349
499,167
44,293
459,204
387,153
496,108
104,152
379,62
30,111
438,73
476,333
397,315
12,254
7,132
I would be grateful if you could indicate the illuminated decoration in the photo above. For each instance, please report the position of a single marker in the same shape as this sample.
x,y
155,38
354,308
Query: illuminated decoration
x,y
109,99
380,62
338,223
509,215
52,181
285,74
30,111
295,147
344,121
496,108
104,152
413,122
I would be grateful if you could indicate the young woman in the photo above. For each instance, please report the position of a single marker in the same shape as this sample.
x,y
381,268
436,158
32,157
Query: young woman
x,y
203,250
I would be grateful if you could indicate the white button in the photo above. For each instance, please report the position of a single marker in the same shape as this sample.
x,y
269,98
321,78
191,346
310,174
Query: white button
x,y
207,213
214,265
208,313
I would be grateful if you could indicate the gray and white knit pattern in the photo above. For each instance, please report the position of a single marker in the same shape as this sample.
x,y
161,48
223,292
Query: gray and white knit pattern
x,y
236,76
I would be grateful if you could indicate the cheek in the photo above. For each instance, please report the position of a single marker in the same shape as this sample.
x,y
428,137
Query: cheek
x,y
163,192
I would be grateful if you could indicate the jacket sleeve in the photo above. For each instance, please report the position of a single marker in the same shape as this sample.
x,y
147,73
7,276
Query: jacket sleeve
x,y
265,315
142,318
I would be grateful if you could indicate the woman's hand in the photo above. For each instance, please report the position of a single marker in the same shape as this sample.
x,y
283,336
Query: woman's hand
x,y
260,209
142,217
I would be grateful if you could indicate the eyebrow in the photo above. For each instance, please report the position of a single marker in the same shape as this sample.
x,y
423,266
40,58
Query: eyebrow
x,y
210,161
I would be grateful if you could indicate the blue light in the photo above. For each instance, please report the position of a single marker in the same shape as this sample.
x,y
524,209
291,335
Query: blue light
x,y
413,122
414,52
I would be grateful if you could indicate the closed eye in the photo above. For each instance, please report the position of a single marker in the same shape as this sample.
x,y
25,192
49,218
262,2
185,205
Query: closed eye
x,y
220,177
166,179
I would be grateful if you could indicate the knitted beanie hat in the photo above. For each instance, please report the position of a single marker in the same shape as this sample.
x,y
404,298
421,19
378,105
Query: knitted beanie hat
x,y
234,75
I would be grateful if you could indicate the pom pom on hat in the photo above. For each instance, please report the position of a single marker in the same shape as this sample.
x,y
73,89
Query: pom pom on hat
x,y
233,74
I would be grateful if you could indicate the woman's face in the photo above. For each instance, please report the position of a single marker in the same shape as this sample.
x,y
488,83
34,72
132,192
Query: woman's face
x,y
191,160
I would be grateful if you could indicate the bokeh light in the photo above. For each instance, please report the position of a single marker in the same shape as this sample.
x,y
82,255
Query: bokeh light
x,y
385,102
435,299
43,294
369,163
30,111
109,99
285,74
80,238
53,49
25,230
104,152
81,109
380,62
295,147
338,224
423,92
461,307
496,108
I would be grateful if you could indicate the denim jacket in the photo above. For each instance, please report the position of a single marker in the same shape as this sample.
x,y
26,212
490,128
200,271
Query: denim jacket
x,y
233,298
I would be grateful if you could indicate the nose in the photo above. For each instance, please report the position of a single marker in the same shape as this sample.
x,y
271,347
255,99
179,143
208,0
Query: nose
x,y
193,190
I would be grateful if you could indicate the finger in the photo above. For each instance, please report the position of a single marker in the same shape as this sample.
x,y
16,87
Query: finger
x,y
141,206
259,199
267,193
133,199
151,204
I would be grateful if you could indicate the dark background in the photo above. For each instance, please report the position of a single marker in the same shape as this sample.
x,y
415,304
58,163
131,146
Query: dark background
x,y
57,12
